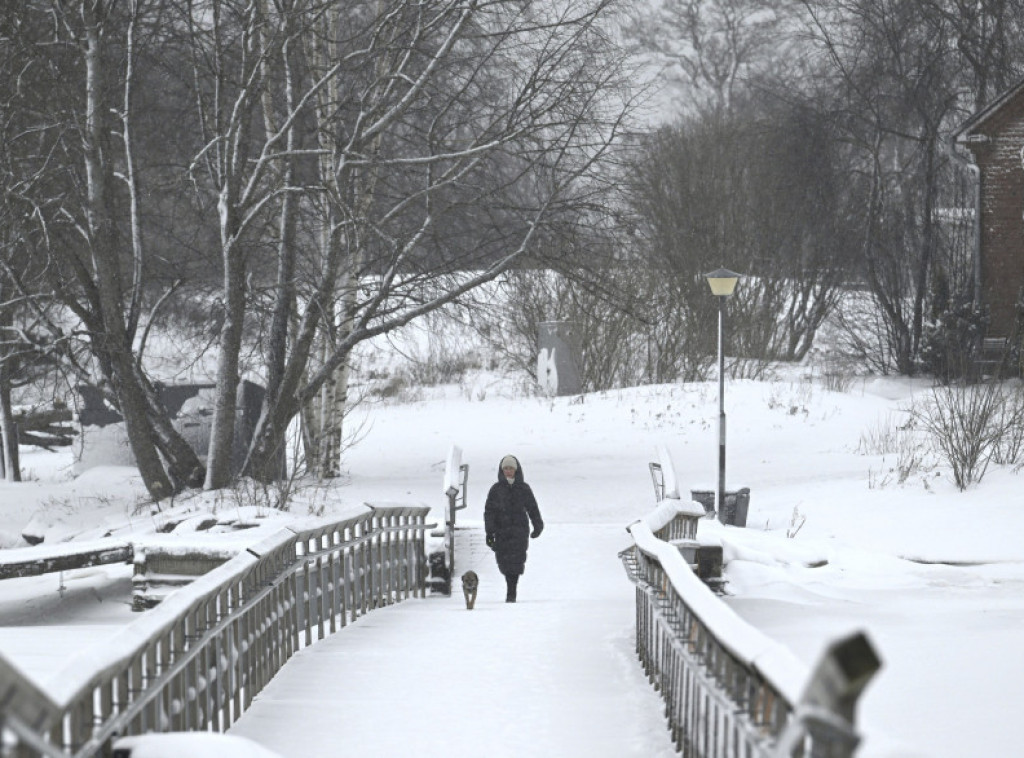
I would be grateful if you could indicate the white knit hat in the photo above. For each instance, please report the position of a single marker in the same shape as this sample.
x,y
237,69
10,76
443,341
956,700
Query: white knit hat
x,y
509,462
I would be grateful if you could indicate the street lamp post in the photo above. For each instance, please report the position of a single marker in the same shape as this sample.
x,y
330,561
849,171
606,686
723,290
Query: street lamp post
x,y
723,284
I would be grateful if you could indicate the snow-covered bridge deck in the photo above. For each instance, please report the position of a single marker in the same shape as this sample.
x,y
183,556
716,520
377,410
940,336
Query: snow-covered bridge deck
x,y
552,675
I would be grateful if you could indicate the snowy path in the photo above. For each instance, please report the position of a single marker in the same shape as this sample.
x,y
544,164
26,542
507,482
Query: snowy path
x,y
552,675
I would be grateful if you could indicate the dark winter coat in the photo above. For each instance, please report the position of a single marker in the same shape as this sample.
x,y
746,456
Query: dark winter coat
x,y
508,513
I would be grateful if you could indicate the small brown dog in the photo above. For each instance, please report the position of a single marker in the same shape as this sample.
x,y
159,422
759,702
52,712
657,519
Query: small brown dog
x,y
470,582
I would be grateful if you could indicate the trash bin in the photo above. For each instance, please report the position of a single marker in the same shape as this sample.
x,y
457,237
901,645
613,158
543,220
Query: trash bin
x,y
734,512
706,498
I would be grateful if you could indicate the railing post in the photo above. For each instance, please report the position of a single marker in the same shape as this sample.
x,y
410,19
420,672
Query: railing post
x,y
826,713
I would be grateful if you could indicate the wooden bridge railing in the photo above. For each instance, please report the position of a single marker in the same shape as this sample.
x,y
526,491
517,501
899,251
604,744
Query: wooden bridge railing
x,y
197,660
729,690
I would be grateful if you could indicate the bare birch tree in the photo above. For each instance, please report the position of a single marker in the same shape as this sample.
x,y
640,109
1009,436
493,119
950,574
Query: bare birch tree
x,y
351,166
449,135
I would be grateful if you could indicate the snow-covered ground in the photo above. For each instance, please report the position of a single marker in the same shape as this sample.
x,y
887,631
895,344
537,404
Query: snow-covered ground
x,y
834,543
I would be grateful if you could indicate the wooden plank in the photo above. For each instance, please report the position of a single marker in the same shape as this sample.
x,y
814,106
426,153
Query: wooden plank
x,y
35,561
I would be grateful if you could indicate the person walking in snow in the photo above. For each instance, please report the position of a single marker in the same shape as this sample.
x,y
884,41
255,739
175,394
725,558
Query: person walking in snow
x,y
509,512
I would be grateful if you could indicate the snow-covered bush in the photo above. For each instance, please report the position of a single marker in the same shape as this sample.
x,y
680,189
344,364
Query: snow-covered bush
x,y
972,425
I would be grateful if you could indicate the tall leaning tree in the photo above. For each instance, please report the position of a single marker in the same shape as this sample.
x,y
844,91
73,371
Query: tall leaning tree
x,y
75,179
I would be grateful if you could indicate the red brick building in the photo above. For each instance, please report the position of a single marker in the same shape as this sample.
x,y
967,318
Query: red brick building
x,y
995,137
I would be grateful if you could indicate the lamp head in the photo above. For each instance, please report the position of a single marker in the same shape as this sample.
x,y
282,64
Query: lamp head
x,y
722,281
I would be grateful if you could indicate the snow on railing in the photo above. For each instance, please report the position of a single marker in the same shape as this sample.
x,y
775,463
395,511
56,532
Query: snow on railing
x,y
674,520
456,476
663,473
197,660
728,689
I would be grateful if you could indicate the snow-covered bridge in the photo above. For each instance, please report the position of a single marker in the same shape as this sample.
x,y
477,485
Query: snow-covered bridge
x,y
554,674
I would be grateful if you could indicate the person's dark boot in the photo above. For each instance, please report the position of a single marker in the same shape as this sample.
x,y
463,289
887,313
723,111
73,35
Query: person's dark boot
x,y
510,588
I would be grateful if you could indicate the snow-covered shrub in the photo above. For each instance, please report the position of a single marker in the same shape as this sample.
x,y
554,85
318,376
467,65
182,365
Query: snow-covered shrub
x,y
965,424
1009,448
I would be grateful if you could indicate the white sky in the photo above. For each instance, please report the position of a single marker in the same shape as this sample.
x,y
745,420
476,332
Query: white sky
x,y
555,674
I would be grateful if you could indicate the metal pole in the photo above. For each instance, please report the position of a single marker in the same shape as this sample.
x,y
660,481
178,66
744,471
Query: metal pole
x,y
449,537
721,410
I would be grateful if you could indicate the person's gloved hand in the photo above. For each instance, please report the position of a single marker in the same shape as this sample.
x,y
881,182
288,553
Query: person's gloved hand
x,y
490,541
536,532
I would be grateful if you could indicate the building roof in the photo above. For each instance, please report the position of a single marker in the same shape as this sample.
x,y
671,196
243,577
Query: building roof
x,y
970,127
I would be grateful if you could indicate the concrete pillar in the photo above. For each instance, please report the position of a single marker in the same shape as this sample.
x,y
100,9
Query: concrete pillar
x,y
559,358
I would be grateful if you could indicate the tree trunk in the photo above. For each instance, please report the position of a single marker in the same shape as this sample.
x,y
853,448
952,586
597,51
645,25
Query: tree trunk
x,y
927,246
9,467
183,464
325,404
222,433
8,430
336,400
236,175
115,341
